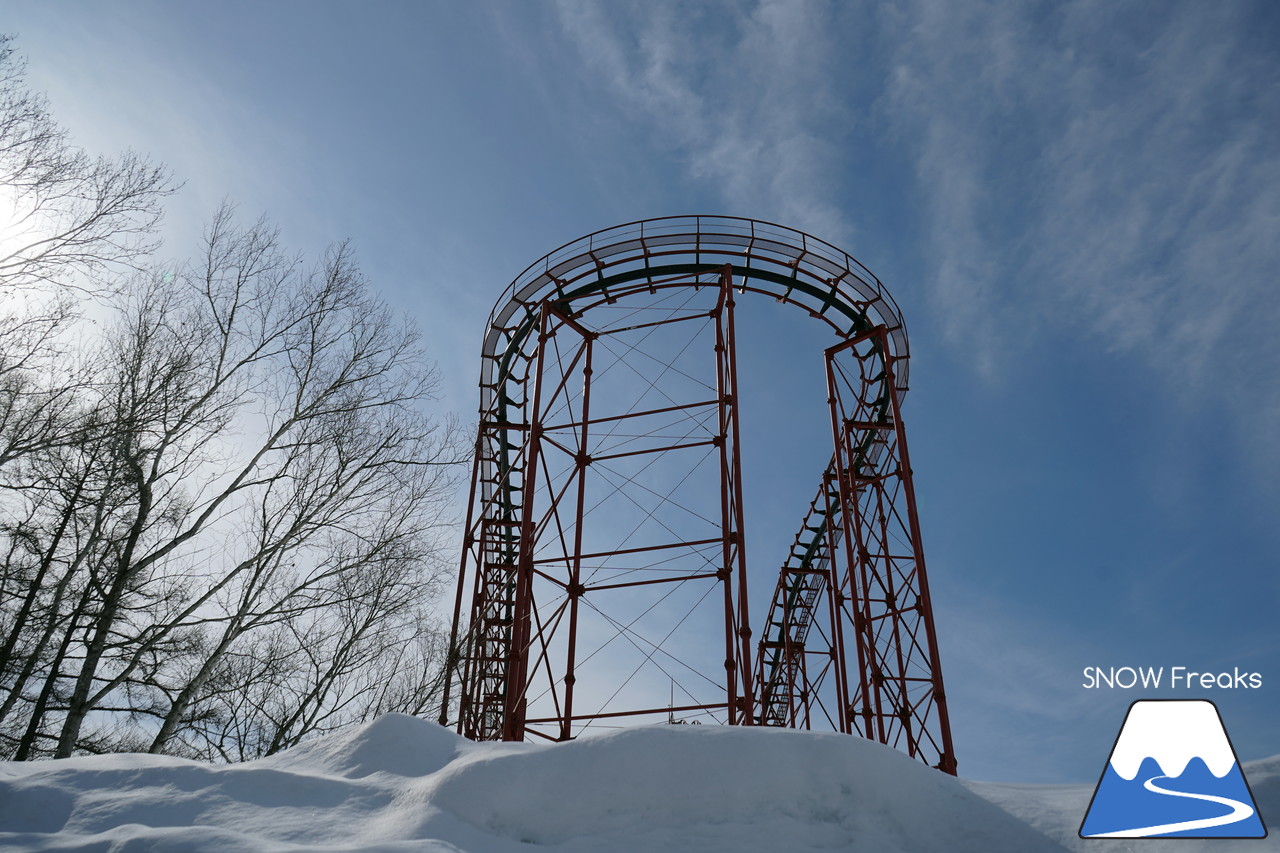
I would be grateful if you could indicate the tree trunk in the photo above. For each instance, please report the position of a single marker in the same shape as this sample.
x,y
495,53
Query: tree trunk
x,y
183,700
79,706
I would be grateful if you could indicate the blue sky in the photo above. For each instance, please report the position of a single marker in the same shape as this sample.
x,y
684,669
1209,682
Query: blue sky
x,y
1074,204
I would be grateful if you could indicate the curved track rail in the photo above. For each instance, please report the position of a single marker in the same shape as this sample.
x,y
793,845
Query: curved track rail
x,y
845,575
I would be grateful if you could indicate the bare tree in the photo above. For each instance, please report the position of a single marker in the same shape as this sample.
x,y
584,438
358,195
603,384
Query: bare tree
x,y
67,223
66,216
221,517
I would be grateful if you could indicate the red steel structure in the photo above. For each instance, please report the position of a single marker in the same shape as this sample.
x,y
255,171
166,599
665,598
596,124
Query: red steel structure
x,y
604,563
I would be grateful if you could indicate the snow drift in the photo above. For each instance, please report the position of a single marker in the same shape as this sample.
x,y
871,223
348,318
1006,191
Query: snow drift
x,y
403,784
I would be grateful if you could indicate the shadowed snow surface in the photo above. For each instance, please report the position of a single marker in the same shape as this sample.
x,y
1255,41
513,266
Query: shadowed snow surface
x,y
403,784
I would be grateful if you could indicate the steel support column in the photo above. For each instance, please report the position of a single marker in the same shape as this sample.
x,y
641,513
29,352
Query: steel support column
x,y
528,546
883,586
593,512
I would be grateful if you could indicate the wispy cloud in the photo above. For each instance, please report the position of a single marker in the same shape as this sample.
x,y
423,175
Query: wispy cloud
x,y
1014,689
1106,171
742,92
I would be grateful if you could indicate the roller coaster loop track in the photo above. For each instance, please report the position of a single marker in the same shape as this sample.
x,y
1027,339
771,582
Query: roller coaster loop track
x,y
604,571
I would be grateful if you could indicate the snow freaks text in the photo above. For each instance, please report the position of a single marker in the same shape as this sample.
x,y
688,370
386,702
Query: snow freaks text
x,y
1175,677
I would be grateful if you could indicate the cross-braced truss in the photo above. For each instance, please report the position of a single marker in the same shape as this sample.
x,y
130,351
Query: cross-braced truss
x,y
605,554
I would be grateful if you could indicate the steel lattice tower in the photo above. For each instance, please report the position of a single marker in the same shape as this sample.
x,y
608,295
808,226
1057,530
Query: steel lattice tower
x,y
604,550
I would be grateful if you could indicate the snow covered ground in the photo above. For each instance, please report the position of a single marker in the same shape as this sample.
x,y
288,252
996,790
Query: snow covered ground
x,y
402,784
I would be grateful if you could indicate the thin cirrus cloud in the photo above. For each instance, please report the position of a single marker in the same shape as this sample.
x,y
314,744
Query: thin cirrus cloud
x,y
740,92
1100,171
1013,686
1107,171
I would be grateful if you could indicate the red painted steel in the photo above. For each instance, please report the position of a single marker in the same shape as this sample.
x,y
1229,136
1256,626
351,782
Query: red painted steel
x,y
610,427
882,589
530,588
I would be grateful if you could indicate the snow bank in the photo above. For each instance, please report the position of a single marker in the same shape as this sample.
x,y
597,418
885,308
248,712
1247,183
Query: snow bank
x,y
402,784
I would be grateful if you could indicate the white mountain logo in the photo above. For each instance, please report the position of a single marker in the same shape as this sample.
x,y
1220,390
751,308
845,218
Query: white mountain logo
x,y
1172,774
